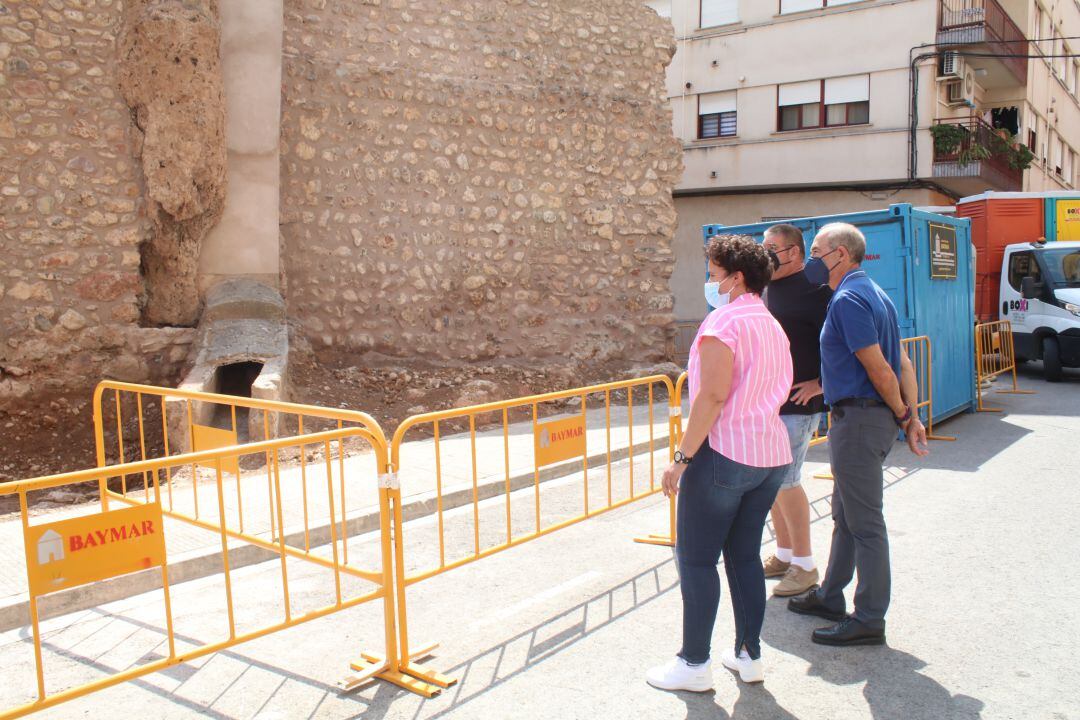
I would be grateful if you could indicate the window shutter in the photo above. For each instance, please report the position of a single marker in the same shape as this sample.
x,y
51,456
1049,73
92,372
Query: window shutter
x,y
720,102
853,88
790,6
719,12
800,93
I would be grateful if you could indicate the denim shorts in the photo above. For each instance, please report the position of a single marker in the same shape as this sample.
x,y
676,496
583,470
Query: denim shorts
x,y
800,430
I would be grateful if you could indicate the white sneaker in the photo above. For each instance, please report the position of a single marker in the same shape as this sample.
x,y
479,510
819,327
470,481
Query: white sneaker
x,y
679,675
750,671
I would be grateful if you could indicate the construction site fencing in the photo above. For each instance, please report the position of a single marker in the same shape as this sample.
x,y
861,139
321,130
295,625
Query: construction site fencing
x,y
289,480
65,550
995,355
491,522
145,421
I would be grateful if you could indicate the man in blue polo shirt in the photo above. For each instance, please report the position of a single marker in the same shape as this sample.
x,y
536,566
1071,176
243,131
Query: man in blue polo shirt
x,y
871,387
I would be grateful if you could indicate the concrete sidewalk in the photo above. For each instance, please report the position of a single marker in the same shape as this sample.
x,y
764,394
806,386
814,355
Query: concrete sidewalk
x,y
194,552
980,627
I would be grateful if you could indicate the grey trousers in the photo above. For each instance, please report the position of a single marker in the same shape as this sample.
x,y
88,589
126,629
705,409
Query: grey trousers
x,y
859,441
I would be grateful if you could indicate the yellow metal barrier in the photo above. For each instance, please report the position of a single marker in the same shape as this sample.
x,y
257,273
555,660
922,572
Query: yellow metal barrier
x,y
87,548
995,355
562,439
675,433
155,416
920,354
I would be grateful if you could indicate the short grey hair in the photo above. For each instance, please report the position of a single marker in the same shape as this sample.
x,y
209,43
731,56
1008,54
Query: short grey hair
x,y
846,236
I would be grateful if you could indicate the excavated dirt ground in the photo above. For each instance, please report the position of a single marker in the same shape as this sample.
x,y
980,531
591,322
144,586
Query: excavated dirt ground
x,y
56,434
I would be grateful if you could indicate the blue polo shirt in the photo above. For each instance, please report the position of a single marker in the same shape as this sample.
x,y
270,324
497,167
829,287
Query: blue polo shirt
x,y
860,315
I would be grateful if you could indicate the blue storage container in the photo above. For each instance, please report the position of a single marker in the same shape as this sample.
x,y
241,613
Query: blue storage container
x,y
898,258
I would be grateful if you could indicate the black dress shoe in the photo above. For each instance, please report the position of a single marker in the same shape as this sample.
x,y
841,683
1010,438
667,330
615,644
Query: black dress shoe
x,y
810,604
849,632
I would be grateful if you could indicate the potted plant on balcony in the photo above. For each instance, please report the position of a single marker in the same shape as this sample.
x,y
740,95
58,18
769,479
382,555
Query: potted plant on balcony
x,y
948,138
1008,146
1021,157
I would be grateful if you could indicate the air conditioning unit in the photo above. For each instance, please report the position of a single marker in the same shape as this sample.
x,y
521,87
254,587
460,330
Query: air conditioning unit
x,y
952,65
962,92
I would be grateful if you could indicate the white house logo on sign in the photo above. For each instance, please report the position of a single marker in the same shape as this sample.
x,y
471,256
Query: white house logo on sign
x,y
545,438
50,547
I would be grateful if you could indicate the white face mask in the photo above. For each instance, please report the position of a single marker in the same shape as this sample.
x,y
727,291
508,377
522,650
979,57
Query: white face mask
x,y
714,297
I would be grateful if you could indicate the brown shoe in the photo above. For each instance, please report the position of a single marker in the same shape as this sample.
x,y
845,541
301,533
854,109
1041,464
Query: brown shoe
x,y
796,581
775,567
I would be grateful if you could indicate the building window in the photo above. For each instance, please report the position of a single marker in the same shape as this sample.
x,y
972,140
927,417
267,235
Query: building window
x,y
1059,51
717,115
1058,148
799,105
718,12
1046,35
1036,25
1075,76
792,6
1033,140
846,101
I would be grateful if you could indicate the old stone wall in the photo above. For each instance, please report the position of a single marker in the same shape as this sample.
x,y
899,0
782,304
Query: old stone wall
x,y
483,180
71,212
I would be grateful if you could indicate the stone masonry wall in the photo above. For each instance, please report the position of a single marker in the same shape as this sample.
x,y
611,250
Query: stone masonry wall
x,y
71,210
476,180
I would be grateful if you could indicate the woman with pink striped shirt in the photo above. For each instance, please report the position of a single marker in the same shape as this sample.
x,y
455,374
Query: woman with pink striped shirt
x,y
729,465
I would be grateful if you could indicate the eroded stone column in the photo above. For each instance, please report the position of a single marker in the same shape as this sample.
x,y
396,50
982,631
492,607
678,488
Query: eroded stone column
x,y
245,242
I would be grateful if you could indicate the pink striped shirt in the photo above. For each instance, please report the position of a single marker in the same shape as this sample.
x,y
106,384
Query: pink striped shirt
x,y
749,429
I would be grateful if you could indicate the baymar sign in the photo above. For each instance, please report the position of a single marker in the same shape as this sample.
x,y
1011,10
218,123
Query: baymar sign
x,y
558,440
95,547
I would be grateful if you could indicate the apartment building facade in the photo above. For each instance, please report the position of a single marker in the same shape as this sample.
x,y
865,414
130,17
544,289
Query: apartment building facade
x,y
788,108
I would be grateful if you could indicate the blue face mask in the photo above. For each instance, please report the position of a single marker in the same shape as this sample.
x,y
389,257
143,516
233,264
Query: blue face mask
x,y
714,297
817,272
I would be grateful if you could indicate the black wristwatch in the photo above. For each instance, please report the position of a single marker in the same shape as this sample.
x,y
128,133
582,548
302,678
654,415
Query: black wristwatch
x,y
903,419
682,459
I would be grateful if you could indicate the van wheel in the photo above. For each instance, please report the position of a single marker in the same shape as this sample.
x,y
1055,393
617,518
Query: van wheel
x,y
1051,359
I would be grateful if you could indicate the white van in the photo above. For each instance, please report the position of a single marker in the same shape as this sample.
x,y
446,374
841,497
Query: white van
x,y
1040,296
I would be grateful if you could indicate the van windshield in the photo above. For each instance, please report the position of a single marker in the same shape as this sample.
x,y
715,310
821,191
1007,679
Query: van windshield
x,y
1062,267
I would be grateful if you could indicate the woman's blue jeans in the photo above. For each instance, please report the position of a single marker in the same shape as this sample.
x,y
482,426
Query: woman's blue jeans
x,y
722,509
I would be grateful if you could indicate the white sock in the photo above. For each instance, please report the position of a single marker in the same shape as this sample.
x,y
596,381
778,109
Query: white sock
x,y
783,554
806,563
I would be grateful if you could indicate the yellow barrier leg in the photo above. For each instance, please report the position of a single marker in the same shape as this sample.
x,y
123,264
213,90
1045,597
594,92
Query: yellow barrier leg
x,y
389,668
665,540
412,674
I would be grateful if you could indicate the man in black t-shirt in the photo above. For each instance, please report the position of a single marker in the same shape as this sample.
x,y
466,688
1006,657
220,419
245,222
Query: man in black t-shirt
x,y
799,304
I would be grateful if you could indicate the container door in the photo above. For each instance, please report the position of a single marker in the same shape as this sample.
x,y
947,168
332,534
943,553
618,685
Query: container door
x,y
943,291
1065,218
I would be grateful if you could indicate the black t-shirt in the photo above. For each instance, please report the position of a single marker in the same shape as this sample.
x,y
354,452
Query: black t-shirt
x,y
800,307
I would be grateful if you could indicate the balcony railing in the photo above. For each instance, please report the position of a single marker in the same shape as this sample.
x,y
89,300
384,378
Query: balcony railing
x,y
978,149
985,21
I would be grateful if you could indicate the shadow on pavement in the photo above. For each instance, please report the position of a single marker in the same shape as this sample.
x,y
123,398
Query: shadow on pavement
x,y
979,438
754,702
647,586
377,705
893,686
